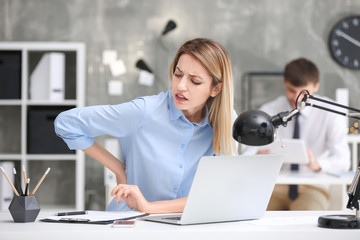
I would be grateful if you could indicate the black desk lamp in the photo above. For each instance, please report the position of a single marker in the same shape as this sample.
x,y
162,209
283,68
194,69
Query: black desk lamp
x,y
256,128
171,25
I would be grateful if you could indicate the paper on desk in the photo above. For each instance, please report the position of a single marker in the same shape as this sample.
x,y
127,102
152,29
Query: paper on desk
x,y
99,216
280,221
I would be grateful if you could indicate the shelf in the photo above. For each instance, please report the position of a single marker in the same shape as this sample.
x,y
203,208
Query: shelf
x,y
48,103
27,122
66,157
10,102
37,103
43,46
10,157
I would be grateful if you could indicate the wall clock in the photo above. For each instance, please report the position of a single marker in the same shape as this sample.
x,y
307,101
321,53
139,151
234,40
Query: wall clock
x,y
344,42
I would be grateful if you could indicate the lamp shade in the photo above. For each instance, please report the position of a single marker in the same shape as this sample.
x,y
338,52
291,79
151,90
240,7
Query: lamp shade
x,y
254,128
171,25
141,64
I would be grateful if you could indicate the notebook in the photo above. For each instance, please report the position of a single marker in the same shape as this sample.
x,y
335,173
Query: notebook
x,y
228,188
294,150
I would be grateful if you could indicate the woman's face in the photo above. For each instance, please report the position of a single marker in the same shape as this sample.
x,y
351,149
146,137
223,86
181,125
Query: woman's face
x,y
191,87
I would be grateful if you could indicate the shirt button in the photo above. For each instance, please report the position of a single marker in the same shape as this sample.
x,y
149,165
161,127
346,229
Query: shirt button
x,y
181,165
175,188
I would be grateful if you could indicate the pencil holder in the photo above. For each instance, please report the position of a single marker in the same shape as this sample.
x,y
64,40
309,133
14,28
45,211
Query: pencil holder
x,y
24,208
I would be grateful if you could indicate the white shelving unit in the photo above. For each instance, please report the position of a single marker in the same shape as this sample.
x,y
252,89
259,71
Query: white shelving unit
x,y
27,51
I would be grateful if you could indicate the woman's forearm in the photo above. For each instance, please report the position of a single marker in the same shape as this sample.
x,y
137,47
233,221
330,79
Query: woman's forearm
x,y
103,156
167,206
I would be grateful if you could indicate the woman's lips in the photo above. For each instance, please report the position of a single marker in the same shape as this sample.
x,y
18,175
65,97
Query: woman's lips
x,y
180,97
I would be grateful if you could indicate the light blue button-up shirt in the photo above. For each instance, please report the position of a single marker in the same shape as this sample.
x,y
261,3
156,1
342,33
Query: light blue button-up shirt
x,y
160,147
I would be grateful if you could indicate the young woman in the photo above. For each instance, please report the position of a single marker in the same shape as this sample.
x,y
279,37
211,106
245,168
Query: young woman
x,y
162,137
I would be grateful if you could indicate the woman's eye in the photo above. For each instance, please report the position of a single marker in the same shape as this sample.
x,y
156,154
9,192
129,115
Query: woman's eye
x,y
195,82
177,75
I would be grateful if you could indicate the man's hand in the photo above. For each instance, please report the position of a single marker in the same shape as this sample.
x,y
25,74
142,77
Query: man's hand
x,y
265,151
313,164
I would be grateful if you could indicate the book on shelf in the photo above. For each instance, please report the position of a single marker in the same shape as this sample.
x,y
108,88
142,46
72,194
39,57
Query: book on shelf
x,y
47,81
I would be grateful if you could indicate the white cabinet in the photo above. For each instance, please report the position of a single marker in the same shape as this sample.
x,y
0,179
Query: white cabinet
x,y
26,126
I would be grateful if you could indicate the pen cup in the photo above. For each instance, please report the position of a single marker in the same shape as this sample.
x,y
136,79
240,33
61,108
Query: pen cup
x,y
24,208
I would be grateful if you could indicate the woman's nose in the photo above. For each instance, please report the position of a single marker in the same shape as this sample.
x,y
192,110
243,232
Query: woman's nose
x,y
182,85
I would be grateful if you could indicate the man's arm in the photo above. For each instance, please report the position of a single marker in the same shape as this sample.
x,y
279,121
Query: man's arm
x,y
336,156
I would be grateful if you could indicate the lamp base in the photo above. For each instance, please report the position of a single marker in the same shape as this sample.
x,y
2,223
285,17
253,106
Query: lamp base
x,y
339,221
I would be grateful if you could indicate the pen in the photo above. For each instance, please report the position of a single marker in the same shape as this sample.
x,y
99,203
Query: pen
x,y
71,213
40,181
27,187
24,174
11,185
17,182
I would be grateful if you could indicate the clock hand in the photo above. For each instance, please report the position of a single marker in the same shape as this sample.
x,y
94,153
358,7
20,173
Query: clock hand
x,y
347,37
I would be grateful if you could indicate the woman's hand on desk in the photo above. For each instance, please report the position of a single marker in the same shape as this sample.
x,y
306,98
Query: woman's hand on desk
x,y
132,195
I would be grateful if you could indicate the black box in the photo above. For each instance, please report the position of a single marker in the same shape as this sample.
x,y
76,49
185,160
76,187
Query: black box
x,y
10,75
41,137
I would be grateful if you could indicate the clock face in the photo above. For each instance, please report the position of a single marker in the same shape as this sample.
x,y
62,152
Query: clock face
x,y
344,42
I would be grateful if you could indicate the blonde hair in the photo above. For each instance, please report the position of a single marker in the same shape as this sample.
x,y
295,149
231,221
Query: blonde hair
x,y
215,59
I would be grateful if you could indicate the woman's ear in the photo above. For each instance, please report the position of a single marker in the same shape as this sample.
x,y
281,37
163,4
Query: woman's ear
x,y
216,90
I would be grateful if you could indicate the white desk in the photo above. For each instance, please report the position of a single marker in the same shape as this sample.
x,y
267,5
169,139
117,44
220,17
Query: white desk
x,y
338,185
275,225
314,178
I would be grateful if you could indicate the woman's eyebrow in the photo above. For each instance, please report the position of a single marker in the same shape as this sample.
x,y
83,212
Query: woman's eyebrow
x,y
177,68
195,76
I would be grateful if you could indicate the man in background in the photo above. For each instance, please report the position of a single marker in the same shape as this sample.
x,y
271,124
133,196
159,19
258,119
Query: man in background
x,y
324,134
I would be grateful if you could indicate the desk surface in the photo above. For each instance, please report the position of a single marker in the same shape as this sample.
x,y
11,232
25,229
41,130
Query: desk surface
x,y
314,178
274,225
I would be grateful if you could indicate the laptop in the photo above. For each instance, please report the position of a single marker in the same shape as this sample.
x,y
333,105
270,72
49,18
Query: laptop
x,y
228,188
294,150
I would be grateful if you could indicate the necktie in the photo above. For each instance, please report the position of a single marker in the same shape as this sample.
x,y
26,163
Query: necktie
x,y
293,190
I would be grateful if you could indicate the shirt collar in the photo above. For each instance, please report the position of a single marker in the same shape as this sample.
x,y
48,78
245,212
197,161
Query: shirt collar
x,y
176,113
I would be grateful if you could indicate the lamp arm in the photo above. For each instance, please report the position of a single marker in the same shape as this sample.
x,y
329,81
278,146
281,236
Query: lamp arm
x,y
350,115
354,189
284,117
332,103
331,110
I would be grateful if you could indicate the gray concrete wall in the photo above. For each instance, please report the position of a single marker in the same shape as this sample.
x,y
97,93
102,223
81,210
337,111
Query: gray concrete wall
x,y
260,35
